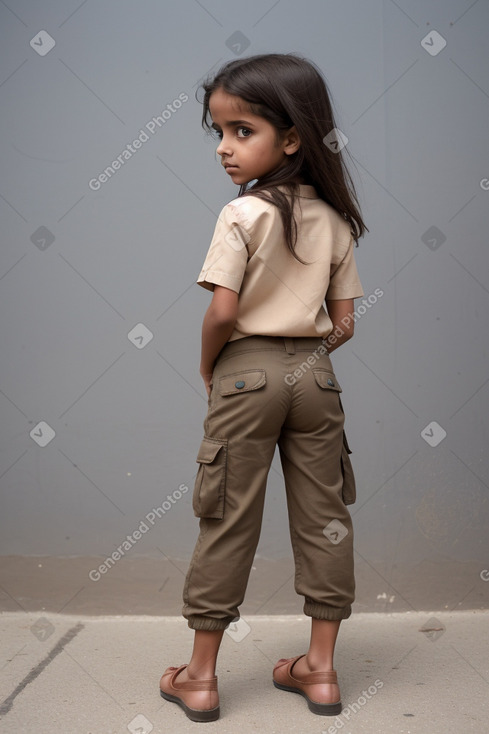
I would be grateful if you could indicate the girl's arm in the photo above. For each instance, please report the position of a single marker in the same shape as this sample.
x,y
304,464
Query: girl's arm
x,y
341,314
217,327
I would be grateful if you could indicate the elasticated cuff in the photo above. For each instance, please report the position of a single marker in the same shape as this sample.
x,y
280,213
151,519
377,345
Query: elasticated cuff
x,y
321,611
207,623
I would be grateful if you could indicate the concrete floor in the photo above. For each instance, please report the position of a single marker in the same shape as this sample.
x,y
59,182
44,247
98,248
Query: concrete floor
x,y
405,673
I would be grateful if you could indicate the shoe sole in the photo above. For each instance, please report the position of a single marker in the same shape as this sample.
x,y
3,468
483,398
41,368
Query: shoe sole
x,y
200,715
323,709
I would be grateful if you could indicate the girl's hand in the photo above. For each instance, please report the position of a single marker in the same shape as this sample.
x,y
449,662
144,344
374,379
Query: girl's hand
x,y
218,325
207,377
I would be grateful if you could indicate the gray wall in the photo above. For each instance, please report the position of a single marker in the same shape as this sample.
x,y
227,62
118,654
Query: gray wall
x,y
128,416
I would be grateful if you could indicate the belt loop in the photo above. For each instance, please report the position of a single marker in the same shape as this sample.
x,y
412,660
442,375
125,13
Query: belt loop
x,y
289,344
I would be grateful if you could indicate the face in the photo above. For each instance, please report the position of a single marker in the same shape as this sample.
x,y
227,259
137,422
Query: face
x,y
249,148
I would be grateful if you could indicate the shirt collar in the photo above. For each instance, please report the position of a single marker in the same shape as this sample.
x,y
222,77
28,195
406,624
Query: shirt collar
x,y
307,191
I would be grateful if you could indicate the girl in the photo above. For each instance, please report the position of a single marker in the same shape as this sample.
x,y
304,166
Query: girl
x,y
280,250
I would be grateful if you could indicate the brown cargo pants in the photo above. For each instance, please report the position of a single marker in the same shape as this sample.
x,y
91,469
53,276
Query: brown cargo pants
x,y
268,391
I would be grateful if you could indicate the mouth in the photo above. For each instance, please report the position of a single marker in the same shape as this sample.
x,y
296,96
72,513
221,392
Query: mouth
x,y
230,167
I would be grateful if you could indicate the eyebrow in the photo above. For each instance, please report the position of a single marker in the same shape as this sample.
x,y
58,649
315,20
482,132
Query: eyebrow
x,y
234,122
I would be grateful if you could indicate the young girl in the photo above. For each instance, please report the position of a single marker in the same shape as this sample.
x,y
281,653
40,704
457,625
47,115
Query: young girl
x,y
281,251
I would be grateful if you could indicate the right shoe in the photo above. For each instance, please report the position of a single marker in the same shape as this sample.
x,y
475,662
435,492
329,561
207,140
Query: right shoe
x,y
285,680
176,692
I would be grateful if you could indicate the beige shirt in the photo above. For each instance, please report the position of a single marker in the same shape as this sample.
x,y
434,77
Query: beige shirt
x,y
278,295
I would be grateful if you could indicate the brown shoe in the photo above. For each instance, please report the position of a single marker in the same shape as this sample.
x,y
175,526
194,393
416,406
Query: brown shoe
x,y
283,679
176,692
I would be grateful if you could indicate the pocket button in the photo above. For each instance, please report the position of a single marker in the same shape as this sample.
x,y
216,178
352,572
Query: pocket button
x,y
330,382
240,384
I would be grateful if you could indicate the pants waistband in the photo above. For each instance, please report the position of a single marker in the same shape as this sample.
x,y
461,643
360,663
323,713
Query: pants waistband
x,y
288,344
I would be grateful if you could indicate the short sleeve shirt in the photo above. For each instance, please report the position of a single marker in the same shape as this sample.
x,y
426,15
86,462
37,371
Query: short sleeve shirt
x,y
278,295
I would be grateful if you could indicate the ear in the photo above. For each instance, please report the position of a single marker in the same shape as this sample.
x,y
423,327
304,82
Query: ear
x,y
291,141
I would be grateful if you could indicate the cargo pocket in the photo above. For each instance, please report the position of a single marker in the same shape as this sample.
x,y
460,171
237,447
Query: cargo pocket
x,y
242,382
327,380
210,483
349,488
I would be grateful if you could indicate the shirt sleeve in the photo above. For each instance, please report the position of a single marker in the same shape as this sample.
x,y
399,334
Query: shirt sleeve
x,y
344,280
226,259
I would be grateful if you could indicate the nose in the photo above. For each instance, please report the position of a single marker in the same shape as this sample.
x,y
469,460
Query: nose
x,y
223,148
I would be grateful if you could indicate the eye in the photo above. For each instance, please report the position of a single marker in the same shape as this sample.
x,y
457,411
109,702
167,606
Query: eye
x,y
243,132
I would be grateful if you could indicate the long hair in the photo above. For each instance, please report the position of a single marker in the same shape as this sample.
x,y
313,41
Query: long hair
x,y
288,90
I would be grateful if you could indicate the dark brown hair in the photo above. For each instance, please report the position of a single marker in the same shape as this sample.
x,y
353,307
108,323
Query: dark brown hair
x,y
288,90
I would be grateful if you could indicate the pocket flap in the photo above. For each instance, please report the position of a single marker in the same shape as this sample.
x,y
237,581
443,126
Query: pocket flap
x,y
327,380
243,381
208,451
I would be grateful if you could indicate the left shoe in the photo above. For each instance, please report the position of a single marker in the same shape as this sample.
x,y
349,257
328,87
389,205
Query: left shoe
x,y
283,679
178,693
